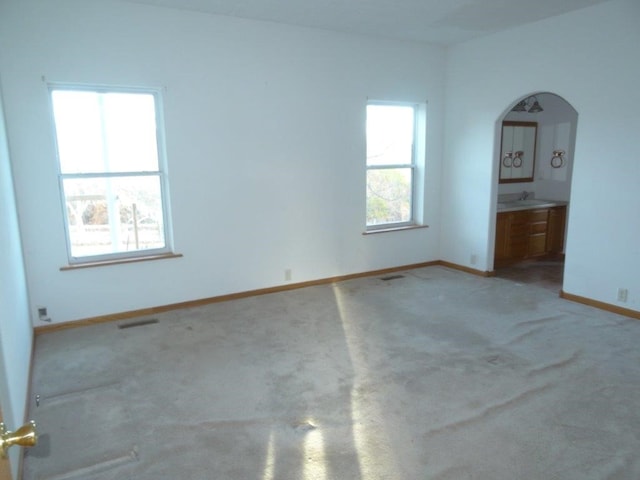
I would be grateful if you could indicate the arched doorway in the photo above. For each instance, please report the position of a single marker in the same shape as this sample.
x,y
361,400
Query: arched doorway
x,y
529,244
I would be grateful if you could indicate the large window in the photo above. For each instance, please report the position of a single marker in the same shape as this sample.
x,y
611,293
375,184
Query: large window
x,y
112,178
391,165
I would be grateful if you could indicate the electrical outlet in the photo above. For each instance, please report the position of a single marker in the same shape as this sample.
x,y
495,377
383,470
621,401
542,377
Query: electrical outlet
x,y
287,275
42,314
474,259
622,294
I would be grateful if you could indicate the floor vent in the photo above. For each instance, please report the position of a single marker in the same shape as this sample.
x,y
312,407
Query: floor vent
x,y
138,323
391,277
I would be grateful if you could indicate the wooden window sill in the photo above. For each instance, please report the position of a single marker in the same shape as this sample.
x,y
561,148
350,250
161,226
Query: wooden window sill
x,y
394,229
105,263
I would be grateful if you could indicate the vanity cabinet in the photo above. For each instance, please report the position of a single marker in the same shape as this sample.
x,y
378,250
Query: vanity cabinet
x,y
532,233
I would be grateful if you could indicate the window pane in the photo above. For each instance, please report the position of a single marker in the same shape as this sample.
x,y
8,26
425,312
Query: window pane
x,y
390,134
105,132
78,131
114,215
389,195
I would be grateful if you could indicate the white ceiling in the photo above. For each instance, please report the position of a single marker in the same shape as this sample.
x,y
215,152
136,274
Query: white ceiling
x,y
437,21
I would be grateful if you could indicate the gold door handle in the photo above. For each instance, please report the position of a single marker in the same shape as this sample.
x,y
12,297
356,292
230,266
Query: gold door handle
x,y
25,436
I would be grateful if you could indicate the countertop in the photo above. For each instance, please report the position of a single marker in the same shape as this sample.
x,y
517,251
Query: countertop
x,y
529,204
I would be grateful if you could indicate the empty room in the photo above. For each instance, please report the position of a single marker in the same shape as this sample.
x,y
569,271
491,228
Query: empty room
x,y
331,240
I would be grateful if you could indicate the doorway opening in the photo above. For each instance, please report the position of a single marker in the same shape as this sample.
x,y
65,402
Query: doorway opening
x,y
534,152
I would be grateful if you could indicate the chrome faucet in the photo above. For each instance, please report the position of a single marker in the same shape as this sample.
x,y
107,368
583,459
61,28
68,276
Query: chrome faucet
x,y
524,195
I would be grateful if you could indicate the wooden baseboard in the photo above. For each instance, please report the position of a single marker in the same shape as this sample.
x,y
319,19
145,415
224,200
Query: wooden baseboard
x,y
41,329
462,268
627,312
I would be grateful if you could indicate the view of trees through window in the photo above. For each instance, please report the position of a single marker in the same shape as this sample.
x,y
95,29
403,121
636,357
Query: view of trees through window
x,y
390,164
388,196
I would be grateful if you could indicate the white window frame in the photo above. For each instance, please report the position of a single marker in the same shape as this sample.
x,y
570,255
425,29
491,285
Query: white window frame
x,y
416,167
161,173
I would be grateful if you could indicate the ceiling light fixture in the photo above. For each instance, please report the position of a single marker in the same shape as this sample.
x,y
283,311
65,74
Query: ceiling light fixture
x,y
529,104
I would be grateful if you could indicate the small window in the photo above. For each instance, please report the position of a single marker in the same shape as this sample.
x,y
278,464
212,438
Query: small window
x,y
112,176
391,165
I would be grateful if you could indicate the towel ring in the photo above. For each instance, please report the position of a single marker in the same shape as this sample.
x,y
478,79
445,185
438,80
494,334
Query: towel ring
x,y
517,159
557,161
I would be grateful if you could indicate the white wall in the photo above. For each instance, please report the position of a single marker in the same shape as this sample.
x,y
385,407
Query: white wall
x,y
15,326
265,141
587,57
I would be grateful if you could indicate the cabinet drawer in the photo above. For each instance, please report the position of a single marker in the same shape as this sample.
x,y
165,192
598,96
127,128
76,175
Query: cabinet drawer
x,y
538,215
540,227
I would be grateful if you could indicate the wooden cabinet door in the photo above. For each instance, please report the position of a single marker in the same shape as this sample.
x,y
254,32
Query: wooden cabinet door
x,y
555,233
518,242
502,225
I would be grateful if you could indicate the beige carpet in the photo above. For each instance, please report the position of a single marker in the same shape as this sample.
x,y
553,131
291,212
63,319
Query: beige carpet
x,y
435,375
